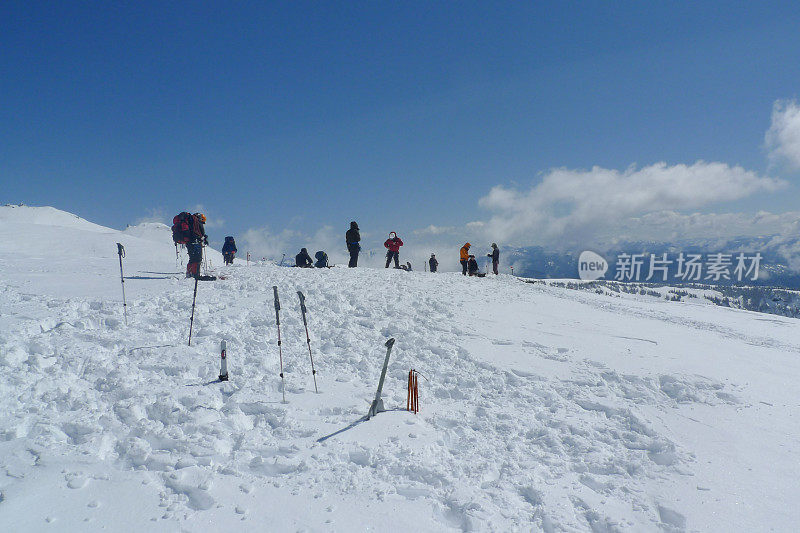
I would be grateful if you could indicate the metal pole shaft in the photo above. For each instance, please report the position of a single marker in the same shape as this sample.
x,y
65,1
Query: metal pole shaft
x,y
308,338
121,252
280,350
191,320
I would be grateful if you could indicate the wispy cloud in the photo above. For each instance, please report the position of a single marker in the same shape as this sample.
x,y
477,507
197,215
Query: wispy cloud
x,y
156,214
211,220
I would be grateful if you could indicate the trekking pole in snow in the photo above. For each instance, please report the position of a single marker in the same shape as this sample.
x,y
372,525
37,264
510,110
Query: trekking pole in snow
x,y
280,352
308,339
377,403
191,320
121,252
176,255
223,365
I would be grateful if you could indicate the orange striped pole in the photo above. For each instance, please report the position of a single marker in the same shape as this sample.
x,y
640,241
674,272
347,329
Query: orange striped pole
x,y
408,397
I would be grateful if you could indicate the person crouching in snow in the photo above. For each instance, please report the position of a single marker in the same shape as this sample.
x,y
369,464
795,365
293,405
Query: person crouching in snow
x,y
322,259
472,266
464,258
229,250
393,244
303,260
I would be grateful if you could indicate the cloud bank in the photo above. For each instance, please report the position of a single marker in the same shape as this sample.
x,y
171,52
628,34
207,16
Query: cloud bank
x,y
783,137
582,205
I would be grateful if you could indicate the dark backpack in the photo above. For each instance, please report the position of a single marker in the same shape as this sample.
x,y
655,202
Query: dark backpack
x,y
322,259
186,228
229,246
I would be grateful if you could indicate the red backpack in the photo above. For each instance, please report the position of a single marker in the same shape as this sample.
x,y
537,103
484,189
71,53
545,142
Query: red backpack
x,y
185,227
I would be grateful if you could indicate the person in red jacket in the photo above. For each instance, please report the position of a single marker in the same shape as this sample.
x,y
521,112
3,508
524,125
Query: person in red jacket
x,y
393,244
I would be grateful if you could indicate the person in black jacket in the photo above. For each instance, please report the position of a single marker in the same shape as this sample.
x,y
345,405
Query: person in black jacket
x,y
303,260
433,263
353,239
322,259
495,255
472,267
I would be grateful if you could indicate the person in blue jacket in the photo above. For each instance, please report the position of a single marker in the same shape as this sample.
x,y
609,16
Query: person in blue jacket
x,y
229,250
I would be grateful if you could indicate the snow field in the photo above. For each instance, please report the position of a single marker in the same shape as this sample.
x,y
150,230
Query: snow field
x,y
543,409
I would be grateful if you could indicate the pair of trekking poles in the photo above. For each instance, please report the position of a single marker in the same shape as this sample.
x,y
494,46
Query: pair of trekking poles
x,y
303,310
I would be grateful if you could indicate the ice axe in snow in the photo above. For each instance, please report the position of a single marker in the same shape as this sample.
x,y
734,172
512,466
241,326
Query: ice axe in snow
x,y
121,252
377,403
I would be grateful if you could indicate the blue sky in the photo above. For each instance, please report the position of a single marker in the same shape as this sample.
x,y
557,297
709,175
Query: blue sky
x,y
284,118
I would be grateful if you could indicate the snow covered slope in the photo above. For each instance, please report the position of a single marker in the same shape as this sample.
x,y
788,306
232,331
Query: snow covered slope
x,y
542,408
47,251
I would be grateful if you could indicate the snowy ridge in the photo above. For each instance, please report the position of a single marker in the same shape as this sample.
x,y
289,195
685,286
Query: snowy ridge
x,y
542,408
46,216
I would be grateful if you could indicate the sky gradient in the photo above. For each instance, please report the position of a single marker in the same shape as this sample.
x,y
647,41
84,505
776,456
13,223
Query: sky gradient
x,y
285,118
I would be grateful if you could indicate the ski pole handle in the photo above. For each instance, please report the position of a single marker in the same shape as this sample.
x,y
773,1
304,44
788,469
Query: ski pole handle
x,y
120,250
302,304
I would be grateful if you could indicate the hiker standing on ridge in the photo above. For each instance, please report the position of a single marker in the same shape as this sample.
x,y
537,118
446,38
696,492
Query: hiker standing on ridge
x,y
464,258
229,250
495,255
433,263
188,229
353,239
393,244
303,260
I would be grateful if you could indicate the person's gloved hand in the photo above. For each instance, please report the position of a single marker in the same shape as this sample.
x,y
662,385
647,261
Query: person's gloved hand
x,y
205,240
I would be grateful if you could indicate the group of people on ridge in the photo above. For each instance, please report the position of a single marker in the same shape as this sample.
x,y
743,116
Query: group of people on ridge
x,y
469,265
303,260
189,230
393,243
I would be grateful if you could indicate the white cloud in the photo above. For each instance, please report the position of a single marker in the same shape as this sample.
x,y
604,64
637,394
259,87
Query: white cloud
x,y
262,242
580,205
435,230
783,137
154,215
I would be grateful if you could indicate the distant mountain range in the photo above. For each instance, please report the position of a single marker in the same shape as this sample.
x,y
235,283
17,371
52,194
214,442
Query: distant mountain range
x,y
780,257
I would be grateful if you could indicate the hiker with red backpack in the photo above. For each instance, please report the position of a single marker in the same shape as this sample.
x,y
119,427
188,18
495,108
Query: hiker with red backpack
x,y
188,229
393,245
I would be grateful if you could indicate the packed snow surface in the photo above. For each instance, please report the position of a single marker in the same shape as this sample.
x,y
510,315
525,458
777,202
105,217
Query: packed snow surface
x,y
542,408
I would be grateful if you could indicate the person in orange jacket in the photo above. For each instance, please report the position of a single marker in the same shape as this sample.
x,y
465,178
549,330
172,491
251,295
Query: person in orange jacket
x,y
393,244
464,258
